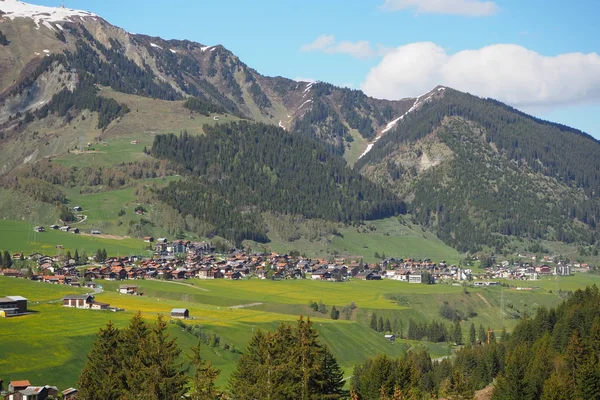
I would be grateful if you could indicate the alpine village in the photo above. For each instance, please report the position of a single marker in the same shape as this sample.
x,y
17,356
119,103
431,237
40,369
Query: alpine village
x,y
176,225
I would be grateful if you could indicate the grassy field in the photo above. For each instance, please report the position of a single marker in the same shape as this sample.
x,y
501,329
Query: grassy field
x,y
19,236
51,343
392,237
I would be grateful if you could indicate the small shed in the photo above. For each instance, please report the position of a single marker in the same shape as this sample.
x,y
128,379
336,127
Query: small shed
x,y
77,208
391,338
181,313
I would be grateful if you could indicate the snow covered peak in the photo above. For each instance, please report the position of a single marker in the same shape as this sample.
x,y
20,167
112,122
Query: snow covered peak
x,y
40,14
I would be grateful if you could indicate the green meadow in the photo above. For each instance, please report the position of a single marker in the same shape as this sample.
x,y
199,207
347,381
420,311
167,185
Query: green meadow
x,y
19,236
50,344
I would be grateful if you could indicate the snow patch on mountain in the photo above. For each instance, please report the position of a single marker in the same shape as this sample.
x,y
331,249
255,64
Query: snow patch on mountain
x,y
40,14
155,45
417,104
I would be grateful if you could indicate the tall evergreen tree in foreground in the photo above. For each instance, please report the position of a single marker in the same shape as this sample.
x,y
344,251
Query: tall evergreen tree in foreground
x,y
139,362
289,363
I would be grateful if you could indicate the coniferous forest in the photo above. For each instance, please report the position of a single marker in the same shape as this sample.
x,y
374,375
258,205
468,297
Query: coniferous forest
x,y
239,170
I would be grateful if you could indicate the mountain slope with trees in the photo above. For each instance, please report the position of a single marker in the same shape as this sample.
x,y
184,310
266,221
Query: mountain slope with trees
x,y
479,173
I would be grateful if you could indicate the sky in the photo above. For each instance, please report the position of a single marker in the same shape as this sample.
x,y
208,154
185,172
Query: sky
x,y
541,56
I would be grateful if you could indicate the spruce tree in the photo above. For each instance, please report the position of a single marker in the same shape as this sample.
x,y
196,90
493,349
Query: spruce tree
x,y
163,373
380,324
387,326
7,260
204,374
482,334
457,333
76,257
102,375
373,323
472,336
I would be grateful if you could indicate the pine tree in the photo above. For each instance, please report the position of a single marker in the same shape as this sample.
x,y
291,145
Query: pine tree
x,y
7,260
472,337
482,334
202,383
457,333
387,326
380,324
69,256
164,375
76,257
335,314
135,342
102,376
373,323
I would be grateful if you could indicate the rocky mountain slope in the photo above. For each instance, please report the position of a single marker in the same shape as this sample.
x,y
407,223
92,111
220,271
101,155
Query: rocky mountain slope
x,y
49,50
477,172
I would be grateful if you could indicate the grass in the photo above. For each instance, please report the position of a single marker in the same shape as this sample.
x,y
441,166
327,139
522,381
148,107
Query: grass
x,y
392,237
19,236
65,335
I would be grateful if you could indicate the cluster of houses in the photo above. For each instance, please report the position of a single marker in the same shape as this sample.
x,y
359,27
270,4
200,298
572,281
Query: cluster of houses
x,y
24,390
182,259
525,271
65,228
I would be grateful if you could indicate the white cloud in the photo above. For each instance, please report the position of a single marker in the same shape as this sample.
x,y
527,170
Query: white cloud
x,y
320,43
361,49
469,8
507,72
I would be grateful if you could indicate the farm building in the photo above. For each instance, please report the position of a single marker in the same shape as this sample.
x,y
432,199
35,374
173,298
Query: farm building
x,y
391,338
181,313
39,229
14,386
128,289
148,239
12,305
415,278
75,230
70,394
85,301
54,227
77,208
95,232
34,393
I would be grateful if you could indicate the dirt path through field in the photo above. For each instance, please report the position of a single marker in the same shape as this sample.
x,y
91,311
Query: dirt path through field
x,y
487,303
188,285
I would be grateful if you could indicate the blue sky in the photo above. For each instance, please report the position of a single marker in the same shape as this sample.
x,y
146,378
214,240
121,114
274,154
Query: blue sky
x,y
399,48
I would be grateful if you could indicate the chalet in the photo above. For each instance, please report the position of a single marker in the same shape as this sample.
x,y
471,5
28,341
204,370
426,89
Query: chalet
x,y
95,232
162,240
77,209
321,274
85,301
65,228
70,394
368,276
11,306
562,270
127,289
34,393
14,386
391,338
75,230
181,313
232,275
148,239
53,226
209,273
414,278
39,229
10,272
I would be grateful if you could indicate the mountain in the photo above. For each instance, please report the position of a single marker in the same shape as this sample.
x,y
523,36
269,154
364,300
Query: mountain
x,y
50,50
481,175
479,172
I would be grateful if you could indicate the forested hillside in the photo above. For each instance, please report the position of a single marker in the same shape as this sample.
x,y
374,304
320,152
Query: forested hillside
x,y
479,172
554,355
239,170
